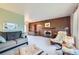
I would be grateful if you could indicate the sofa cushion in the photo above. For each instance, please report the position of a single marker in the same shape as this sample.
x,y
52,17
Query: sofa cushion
x,y
8,44
2,40
13,35
14,51
3,34
10,52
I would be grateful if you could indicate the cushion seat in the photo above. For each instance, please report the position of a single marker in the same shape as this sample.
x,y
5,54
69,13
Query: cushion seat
x,y
8,44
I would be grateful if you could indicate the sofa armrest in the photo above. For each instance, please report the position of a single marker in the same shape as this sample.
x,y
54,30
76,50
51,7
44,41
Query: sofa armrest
x,y
21,40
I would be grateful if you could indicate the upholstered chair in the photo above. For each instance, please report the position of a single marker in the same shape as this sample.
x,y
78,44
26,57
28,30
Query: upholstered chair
x,y
59,38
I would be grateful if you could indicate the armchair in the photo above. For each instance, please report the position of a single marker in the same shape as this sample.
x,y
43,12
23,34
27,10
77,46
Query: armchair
x,y
58,40
67,42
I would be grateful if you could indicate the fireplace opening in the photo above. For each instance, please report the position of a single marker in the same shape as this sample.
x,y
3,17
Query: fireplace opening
x,y
47,33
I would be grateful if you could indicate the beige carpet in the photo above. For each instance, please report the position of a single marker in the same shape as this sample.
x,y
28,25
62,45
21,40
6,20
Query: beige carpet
x,y
42,43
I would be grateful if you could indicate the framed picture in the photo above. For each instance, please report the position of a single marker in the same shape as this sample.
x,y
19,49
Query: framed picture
x,y
47,24
9,26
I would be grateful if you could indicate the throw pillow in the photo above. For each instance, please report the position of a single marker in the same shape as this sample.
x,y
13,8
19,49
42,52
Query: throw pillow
x,y
2,40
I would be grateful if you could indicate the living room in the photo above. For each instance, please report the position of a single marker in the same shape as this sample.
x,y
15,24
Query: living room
x,y
38,28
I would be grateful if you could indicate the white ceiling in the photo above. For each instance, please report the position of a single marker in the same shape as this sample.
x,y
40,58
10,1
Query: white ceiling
x,y
40,11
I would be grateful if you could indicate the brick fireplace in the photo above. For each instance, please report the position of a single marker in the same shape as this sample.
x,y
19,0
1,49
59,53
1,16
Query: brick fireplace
x,y
50,32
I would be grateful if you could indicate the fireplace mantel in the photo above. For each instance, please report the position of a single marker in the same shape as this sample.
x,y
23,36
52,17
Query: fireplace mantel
x,y
48,28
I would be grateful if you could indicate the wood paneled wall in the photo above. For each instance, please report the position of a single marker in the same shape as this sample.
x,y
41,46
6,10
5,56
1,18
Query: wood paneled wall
x,y
57,23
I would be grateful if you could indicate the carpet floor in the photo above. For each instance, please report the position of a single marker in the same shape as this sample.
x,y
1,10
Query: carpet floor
x,y
42,43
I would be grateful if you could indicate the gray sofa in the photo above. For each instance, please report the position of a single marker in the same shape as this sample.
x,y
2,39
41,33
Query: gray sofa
x,y
10,46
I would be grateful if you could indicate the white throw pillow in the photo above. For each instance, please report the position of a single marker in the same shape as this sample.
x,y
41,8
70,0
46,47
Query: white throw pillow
x,y
2,40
